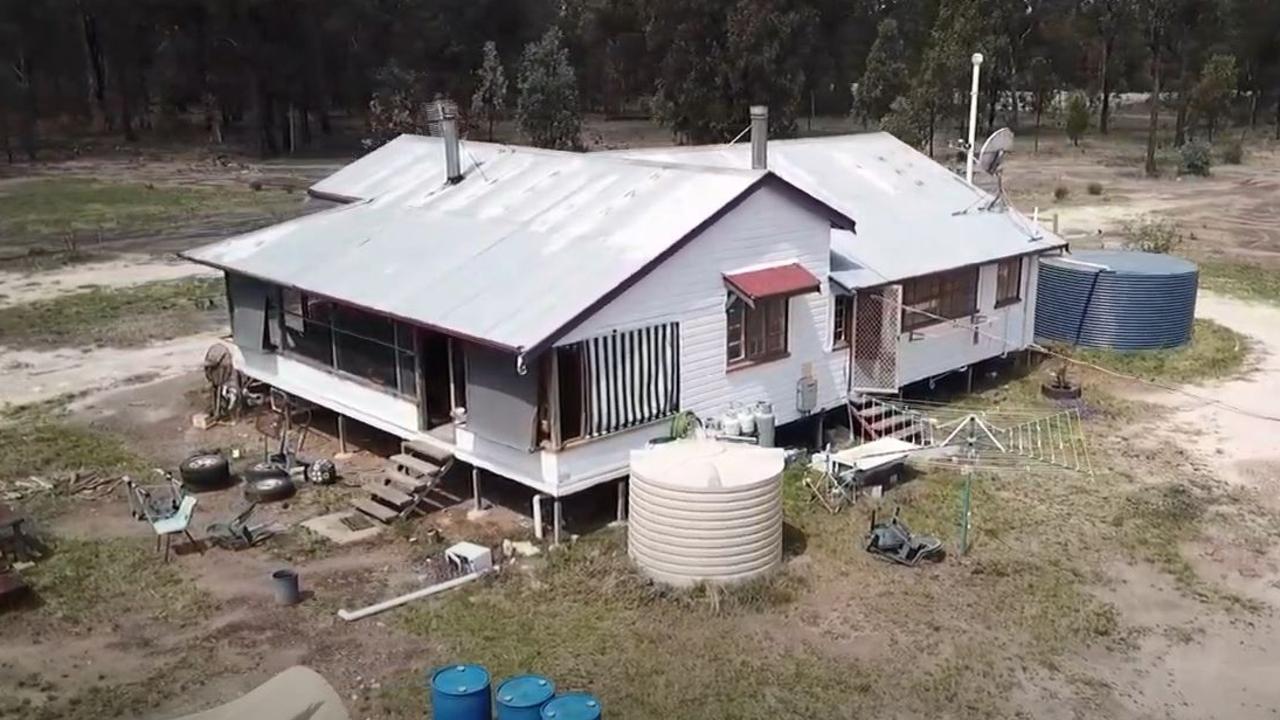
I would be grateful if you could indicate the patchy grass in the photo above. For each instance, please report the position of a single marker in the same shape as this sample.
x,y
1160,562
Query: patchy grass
x,y
56,208
118,317
587,620
92,582
1215,351
1243,280
46,447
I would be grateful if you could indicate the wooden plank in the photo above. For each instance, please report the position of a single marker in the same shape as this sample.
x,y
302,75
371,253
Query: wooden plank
x,y
891,422
407,484
376,510
873,411
427,450
390,495
416,464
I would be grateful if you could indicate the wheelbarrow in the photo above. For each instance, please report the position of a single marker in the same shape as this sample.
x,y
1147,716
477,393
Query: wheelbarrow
x,y
893,541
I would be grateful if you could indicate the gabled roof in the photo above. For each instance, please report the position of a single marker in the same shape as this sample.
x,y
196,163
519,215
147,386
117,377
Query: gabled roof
x,y
915,216
529,243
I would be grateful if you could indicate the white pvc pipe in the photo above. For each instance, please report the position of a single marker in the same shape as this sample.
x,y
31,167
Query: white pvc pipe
x,y
973,117
365,612
537,515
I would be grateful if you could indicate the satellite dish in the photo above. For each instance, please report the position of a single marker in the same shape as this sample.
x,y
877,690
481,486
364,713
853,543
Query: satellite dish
x,y
993,150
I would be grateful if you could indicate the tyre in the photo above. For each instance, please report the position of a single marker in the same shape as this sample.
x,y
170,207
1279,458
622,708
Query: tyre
x,y
262,470
1056,392
205,471
322,472
269,489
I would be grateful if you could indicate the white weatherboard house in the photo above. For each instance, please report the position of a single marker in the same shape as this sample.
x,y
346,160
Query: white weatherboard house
x,y
572,303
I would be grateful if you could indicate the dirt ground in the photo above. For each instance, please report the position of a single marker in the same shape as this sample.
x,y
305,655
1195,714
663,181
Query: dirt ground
x,y
1188,631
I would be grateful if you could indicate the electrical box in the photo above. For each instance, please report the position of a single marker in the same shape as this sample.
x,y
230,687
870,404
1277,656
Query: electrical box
x,y
470,557
806,395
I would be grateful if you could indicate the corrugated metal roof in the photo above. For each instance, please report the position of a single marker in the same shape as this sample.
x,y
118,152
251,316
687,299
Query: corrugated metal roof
x,y
914,216
512,255
789,279
405,161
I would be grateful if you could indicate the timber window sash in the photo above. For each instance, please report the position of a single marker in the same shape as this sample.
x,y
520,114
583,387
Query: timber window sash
x,y
931,299
758,333
357,343
1008,282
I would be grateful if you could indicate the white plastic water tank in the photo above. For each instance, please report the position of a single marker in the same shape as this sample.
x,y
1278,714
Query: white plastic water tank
x,y
705,511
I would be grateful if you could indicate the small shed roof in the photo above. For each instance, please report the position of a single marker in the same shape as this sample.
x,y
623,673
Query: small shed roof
x,y
915,217
527,244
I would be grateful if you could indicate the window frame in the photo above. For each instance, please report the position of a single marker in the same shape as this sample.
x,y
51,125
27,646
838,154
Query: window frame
x,y
841,327
951,294
757,321
294,304
1003,297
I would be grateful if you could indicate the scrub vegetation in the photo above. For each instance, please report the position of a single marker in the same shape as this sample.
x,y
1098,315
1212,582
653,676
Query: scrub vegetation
x,y
119,317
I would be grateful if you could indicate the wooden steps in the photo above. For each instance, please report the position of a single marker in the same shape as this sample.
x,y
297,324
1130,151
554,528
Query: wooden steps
x,y
410,476
416,464
390,496
375,510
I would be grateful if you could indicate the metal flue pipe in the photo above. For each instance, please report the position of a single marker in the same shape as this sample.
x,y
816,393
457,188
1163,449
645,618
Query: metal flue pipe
x,y
973,117
759,137
449,132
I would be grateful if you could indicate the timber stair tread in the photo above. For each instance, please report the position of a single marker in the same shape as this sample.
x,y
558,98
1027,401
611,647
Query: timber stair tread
x,y
390,495
375,509
891,422
405,483
416,464
427,450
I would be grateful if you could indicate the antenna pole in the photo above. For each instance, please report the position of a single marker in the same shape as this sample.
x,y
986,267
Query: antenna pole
x,y
973,116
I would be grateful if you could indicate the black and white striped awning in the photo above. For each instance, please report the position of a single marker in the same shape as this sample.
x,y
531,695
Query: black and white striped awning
x,y
633,377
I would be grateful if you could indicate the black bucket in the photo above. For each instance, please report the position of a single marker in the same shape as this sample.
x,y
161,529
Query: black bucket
x,y
286,585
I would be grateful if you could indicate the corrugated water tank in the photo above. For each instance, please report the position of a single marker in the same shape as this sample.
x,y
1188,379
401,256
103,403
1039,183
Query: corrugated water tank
x,y
705,511
1116,299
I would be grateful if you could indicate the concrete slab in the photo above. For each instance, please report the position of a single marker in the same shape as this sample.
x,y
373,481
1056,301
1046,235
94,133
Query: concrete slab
x,y
331,527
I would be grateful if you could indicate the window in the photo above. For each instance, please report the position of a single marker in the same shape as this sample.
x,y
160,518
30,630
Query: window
x,y
842,324
756,334
366,345
929,299
1008,281
612,382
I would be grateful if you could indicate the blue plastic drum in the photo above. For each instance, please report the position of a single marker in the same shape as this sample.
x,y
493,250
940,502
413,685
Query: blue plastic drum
x,y
572,706
461,692
522,697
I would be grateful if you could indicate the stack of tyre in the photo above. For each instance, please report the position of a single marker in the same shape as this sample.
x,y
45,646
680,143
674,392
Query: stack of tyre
x,y
265,481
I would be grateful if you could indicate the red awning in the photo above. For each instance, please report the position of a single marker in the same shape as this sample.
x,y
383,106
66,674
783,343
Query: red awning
x,y
783,280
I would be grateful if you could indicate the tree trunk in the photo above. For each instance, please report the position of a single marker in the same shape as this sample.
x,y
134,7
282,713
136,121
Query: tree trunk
x,y
993,97
100,119
28,130
1013,96
1154,122
1278,114
1253,107
1184,104
4,134
491,126
1036,146
1104,116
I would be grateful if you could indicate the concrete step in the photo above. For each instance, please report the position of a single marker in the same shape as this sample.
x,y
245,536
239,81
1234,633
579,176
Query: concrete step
x,y
389,495
375,510
415,464
437,455
408,484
